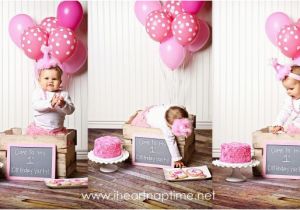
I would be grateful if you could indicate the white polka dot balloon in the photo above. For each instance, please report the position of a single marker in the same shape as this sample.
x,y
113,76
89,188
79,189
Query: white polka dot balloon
x,y
49,24
63,42
31,41
158,25
173,8
185,28
288,40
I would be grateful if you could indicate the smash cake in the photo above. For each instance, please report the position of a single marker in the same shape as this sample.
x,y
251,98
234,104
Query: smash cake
x,y
108,147
235,153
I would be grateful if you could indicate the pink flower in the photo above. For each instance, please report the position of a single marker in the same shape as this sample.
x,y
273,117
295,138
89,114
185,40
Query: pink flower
x,y
182,127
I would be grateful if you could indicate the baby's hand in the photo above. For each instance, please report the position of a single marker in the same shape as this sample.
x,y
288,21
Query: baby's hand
x,y
54,100
179,164
276,129
61,102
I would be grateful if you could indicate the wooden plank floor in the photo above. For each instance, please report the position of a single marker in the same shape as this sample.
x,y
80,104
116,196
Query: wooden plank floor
x,y
137,179
256,192
34,194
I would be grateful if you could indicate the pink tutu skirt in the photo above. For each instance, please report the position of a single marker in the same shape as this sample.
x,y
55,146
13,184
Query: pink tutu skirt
x,y
292,129
140,119
34,130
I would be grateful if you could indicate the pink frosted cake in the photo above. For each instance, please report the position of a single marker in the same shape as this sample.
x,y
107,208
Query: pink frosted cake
x,y
235,153
107,147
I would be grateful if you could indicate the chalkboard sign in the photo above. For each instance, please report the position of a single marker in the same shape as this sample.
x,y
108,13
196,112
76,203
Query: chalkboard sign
x,y
282,160
31,162
151,151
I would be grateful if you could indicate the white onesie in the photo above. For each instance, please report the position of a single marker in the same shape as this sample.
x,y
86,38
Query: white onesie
x,y
291,109
44,115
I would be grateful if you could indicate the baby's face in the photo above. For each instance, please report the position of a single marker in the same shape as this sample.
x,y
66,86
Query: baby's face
x,y
50,80
292,87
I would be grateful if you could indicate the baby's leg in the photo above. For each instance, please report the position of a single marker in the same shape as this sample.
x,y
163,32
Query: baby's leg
x,y
139,119
292,129
133,116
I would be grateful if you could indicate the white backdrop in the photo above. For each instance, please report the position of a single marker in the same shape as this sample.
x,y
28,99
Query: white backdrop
x,y
126,73
246,94
16,78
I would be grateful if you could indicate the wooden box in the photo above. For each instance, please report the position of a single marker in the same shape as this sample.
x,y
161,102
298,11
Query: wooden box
x,y
186,146
260,138
65,149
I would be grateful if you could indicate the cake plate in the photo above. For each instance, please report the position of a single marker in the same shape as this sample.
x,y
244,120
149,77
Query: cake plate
x,y
108,164
236,175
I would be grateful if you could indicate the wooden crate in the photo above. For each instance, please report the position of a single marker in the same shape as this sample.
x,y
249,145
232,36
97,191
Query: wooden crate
x,y
260,138
186,146
65,148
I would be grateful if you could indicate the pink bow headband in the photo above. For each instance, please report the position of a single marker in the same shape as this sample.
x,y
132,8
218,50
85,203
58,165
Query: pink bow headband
x,y
47,61
285,70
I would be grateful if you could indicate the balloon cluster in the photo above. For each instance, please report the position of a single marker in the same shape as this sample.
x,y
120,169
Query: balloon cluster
x,y
284,33
176,26
56,32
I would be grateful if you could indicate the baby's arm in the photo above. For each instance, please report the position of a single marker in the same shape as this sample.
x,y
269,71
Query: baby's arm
x,y
171,142
69,107
283,116
39,104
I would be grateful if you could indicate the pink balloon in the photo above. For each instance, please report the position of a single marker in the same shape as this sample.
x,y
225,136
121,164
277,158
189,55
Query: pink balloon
x,y
73,64
274,24
185,28
69,14
192,7
158,25
172,53
65,81
49,24
202,37
17,25
63,42
173,8
32,40
143,8
289,41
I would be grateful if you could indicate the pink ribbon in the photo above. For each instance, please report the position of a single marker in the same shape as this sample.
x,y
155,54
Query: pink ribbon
x,y
284,71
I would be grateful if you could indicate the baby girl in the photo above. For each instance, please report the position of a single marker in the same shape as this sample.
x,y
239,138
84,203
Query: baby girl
x,y
50,103
290,77
163,117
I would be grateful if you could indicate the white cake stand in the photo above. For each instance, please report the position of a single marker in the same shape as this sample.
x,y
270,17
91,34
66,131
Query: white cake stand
x,y
236,175
108,164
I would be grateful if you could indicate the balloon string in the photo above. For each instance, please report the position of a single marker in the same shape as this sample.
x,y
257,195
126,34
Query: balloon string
x,y
70,79
165,82
176,85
